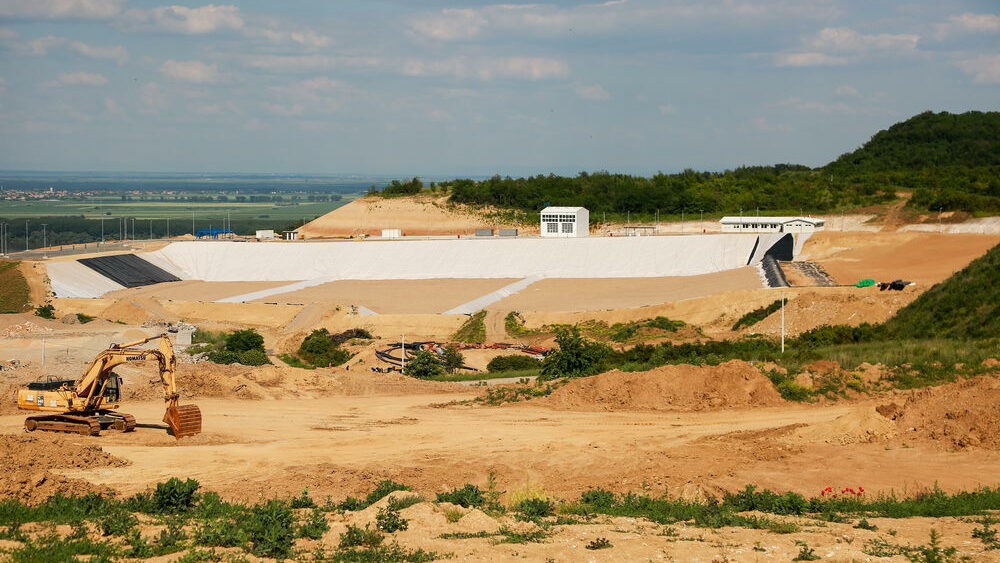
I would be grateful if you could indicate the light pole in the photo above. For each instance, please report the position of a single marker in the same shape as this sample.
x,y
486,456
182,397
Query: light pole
x,y
133,227
168,227
102,230
44,239
26,236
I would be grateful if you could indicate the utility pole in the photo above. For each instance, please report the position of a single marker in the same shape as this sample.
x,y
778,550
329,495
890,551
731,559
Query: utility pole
x,y
26,236
133,227
168,227
192,223
782,322
150,229
44,239
402,351
102,230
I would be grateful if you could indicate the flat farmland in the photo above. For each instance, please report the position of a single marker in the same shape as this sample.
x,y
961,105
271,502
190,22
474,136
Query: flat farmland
x,y
97,207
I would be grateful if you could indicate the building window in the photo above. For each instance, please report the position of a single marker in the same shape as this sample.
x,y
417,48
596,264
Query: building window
x,y
552,227
567,228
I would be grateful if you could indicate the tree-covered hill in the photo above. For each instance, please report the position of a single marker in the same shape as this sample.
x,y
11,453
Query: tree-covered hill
x,y
928,140
966,305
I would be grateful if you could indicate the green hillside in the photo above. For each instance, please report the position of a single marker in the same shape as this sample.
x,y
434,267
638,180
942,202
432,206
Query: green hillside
x,y
966,305
929,140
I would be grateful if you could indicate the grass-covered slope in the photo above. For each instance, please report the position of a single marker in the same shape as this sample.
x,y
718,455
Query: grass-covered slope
x,y
966,305
14,293
928,140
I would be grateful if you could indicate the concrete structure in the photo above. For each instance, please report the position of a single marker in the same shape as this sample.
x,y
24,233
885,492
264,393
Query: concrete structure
x,y
484,232
771,224
565,222
265,235
291,235
392,233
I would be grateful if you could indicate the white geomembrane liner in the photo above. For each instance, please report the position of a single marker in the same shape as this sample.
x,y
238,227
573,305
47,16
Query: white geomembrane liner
x,y
73,279
593,257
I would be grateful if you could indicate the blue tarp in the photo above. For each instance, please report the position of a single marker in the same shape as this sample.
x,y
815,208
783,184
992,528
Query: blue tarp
x,y
212,233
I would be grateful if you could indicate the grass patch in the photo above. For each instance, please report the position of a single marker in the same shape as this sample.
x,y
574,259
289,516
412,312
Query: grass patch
x,y
473,330
14,291
758,314
478,375
295,362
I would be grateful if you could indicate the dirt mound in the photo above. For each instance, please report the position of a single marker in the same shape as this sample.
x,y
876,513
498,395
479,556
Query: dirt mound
x,y
864,425
683,387
235,381
26,461
960,415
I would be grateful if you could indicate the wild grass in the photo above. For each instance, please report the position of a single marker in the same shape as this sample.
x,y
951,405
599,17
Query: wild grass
x,y
14,291
481,375
473,330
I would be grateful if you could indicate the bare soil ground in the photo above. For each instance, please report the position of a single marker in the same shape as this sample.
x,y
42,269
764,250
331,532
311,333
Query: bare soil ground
x,y
555,295
925,258
420,215
396,296
192,290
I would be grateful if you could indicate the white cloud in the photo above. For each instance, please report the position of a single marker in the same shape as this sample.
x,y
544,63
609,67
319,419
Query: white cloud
x,y
42,45
81,79
6,34
667,109
112,107
614,16
153,97
763,124
191,21
522,68
116,53
846,40
61,9
846,90
984,69
438,114
284,110
191,71
968,23
808,59
594,92
308,63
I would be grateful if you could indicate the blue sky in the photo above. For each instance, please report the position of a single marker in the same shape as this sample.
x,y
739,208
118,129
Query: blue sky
x,y
441,88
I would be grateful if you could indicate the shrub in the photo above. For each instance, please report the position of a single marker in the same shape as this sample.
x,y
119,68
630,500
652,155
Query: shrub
x,y
468,496
598,497
314,527
423,365
390,521
356,536
533,508
383,489
269,527
223,357
575,357
352,504
175,495
758,314
221,533
253,358
303,500
599,543
117,523
84,319
515,362
46,311
243,340
340,338
473,330
319,350
452,358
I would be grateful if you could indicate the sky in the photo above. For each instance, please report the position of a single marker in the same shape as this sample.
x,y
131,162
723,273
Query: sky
x,y
424,87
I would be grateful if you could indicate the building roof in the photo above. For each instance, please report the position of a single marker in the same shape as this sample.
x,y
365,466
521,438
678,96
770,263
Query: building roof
x,y
780,220
562,209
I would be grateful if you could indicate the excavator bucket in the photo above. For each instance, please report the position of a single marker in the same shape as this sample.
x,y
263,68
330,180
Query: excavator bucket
x,y
183,420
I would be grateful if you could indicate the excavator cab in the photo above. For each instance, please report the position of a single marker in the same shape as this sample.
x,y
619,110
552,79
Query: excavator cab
x,y
113,389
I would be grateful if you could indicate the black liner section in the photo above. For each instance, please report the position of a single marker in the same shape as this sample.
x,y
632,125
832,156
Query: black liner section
x,y
783,249
128,270
772,272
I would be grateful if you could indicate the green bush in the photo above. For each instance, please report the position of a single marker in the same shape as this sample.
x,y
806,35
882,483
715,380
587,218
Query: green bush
x,y
117,523
253,358
175,495
598,497
383,489
533,508
514,362
46,311
467,496
223,357
473,330
356,536
575,356
303,500
423,365
221,532
319,350
243,340
270,529
314,527
758,314
389,521
84,319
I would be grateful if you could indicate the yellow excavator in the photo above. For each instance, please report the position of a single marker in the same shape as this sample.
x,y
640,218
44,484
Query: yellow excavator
x,y
86,405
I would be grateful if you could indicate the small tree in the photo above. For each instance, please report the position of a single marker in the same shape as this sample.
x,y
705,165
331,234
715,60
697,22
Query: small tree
x,y
576,356
423,365
243,340
453,358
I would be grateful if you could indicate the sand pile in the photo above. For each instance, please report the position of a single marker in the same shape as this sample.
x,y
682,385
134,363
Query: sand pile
x,y
26,461
683,387
863,425
960,415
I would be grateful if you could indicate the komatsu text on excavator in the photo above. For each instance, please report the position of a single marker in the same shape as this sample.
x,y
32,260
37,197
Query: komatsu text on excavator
x,y
86,405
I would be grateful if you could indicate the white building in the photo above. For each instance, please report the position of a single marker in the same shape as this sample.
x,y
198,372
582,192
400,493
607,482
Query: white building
x,y
565,222
771,224
267,234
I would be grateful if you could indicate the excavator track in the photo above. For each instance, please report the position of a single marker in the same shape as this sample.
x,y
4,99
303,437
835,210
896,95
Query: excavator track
x,y
119,421
86,425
